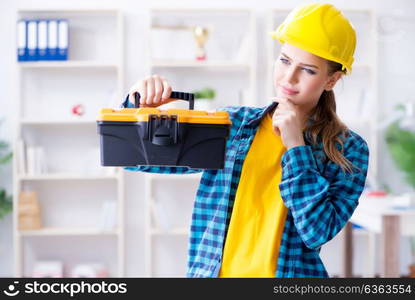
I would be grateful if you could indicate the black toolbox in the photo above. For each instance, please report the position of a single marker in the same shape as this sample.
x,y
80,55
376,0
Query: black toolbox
x,y
153,137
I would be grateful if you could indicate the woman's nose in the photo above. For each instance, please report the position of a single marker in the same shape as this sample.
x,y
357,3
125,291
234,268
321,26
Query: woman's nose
x,y
291,75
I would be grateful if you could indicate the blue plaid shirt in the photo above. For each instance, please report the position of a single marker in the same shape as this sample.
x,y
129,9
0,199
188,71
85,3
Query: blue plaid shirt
x,y
319,196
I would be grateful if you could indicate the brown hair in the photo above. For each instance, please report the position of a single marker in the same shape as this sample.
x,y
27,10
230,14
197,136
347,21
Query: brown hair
x,y
327,128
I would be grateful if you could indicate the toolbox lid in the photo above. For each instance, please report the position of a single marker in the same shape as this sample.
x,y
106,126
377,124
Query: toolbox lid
x,y
183,115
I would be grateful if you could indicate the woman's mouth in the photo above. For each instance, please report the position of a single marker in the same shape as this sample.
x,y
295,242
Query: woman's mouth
x,y
288,91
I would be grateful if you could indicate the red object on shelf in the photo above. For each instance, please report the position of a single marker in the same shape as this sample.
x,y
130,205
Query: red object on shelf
x,y
78,110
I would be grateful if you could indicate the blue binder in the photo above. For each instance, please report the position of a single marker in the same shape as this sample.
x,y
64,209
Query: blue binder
x,y
42,26
32,51
63,39
21,40
52,48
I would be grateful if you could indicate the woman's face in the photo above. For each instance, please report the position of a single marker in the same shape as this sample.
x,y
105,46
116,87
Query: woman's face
x,y
301,77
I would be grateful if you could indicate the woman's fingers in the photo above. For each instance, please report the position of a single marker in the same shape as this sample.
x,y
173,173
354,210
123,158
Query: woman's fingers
x,y
285,114
281,118
166,89
150,92
154,91
158,89
282,111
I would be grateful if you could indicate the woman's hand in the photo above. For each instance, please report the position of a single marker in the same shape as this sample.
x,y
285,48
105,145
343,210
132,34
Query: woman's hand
x,y
154,91
288,123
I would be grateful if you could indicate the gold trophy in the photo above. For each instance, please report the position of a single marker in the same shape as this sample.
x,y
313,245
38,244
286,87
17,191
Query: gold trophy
x,y
201,34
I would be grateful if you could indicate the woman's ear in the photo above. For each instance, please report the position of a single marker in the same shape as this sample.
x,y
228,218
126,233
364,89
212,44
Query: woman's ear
x,y
332,80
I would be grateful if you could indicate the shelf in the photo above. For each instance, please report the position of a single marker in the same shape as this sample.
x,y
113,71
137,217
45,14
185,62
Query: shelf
x,y
69,11
58,122
63,176
175,231
199,64
67,64
67,231
201,10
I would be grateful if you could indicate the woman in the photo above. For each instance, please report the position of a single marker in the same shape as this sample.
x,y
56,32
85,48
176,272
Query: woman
x,y
293,172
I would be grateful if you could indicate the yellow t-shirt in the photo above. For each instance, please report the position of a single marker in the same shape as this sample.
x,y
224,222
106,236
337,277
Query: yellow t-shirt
x,y
258,215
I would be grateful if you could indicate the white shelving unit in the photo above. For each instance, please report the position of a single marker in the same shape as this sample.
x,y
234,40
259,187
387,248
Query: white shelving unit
x,y
74,187
230,69
356,95
68,64
190,64
67,231
68,176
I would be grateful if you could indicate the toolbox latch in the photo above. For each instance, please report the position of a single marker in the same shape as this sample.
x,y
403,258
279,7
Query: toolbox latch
x,y
162,130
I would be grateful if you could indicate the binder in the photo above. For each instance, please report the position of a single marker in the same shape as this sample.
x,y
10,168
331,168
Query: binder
x,y
21,40
32,40
42,39
52,48
63,39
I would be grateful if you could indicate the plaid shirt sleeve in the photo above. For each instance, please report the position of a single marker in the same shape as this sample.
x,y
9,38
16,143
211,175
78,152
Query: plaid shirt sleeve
x,y
158,169
322,205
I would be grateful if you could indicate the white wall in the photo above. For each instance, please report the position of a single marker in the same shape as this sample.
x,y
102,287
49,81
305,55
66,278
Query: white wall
x,y
395,78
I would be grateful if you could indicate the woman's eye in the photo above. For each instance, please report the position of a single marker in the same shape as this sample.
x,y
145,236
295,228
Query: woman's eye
x,y
284,61
309,71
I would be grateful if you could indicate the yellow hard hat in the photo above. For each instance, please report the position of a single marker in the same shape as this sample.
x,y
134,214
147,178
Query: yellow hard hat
x,y
320,29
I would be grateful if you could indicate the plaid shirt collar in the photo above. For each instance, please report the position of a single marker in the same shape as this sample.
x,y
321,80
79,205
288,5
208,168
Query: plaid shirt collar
x,y
258,115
